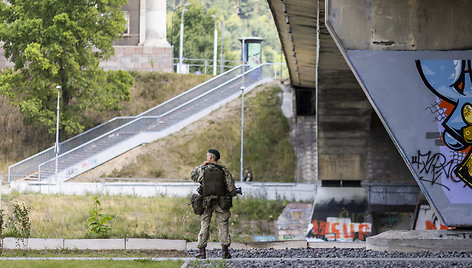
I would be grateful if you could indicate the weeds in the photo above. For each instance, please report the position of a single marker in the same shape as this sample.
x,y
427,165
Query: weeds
x,y
59,216
18,225
98,222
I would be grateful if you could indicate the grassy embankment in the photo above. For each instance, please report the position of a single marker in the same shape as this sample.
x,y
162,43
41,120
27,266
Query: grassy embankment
x,y
57,216
151,88
267,148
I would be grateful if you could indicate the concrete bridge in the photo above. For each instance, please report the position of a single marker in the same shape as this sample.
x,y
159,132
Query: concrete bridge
x,y
388,84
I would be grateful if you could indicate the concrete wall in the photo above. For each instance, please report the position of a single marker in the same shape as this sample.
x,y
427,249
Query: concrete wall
x,y
140,58
343,114
402,24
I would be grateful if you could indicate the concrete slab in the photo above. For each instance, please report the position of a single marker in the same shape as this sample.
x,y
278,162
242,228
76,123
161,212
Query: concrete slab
x,y
98,244
279,244
216,245
137,243
45,243
13,243
210,245
421,240
336,244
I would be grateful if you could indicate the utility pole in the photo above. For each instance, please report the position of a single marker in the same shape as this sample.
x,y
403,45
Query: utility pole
x,y
222,58
243,58
215,46
181,52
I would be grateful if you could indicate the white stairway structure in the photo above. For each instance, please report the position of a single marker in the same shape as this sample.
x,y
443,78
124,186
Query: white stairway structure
x,y
108,140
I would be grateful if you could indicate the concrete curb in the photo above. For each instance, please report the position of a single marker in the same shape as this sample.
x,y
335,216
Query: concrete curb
x,y
158,244
421,240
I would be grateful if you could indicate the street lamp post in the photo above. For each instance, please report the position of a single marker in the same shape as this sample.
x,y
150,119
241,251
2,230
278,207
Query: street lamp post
x,y
57,128
181,38
215,49
242,110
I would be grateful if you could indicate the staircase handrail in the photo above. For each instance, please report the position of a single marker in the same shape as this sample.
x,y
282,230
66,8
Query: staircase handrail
x,y
190,90
64,143
147,117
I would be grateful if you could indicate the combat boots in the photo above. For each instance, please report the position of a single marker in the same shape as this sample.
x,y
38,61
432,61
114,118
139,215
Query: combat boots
x,y
201,254
225,252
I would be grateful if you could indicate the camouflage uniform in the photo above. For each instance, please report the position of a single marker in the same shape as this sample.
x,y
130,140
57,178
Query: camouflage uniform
x,y
222,216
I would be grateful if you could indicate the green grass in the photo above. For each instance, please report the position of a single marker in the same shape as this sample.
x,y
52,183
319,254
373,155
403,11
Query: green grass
x,y
93,253
93,263
268,151
57,216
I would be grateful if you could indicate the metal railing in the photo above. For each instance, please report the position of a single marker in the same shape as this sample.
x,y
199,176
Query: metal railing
x,y
148,124
30,164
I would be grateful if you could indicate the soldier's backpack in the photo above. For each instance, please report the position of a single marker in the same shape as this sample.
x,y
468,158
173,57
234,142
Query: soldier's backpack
x,y
213,181
196,200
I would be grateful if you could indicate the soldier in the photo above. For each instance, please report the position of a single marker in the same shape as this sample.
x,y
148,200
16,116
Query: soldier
x,y
248,175
218,189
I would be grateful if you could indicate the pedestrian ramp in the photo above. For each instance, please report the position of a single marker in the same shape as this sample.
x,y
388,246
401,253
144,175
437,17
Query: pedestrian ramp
x,y
108,140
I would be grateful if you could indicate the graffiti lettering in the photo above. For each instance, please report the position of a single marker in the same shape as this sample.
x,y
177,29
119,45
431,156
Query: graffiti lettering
x,y
355,217
433,165
340,229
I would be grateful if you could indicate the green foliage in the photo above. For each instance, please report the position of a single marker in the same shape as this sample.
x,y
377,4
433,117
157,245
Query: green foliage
x,y
59,216
57,42
242,18
198,31
18,224
98,222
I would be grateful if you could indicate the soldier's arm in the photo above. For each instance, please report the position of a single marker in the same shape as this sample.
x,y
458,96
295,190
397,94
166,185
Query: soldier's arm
x,y
197,174
230,186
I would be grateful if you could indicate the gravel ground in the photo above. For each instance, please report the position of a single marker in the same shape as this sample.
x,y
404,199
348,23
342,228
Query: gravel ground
x,y
332,257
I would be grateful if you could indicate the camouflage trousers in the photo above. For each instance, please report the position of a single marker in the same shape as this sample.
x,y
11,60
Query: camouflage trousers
x,y
222,218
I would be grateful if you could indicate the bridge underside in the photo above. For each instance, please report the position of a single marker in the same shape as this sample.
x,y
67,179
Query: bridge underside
x,y
409,60
348,128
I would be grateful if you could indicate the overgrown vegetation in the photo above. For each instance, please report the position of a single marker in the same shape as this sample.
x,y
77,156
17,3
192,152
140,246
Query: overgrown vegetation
x,y
268,150
98,223
151,88
55,216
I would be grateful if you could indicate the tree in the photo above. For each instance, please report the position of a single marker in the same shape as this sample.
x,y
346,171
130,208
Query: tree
x,y
198,31
60,43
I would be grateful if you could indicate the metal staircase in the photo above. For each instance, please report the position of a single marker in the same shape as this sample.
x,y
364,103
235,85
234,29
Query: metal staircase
x,y
108,140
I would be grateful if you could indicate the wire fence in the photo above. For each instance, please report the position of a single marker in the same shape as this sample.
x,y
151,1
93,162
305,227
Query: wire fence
x,y
204,66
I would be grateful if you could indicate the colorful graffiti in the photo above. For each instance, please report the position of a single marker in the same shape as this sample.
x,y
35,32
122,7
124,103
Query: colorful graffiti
x,y
424,99
291,224
450,80
339,219
426,219
339,229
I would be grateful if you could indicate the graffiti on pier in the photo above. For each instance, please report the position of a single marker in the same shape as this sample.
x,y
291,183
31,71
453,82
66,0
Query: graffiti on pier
x,y
340,220
424,99
339,229
426,219
432,166
450,81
